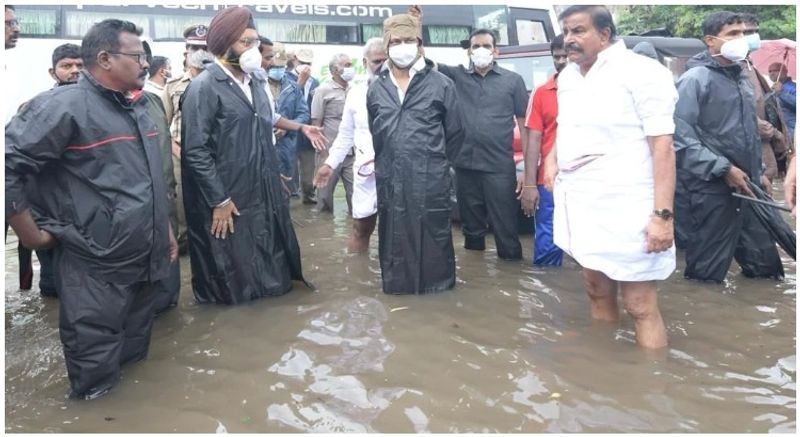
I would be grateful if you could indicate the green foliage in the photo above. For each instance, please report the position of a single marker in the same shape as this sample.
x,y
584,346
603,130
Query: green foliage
x,y
776,21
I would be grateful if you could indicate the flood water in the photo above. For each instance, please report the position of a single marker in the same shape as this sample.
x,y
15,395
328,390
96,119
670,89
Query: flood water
x,y
510,349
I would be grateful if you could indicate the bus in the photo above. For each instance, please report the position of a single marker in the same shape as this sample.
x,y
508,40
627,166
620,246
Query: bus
x,y
325,29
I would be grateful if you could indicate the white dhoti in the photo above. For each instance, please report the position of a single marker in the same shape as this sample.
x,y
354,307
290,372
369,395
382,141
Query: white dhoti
x,y
365,196
354,135
602,224
604,192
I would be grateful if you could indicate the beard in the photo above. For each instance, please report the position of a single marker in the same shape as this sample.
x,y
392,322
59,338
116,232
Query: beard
x,y
231,57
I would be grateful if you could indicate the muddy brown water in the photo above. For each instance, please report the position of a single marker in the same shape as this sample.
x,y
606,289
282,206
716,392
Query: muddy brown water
x,y
510,349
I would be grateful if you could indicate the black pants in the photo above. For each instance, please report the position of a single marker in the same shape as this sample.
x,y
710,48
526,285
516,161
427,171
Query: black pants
x,y
25,265
47,284
47,280
488,199
720,228
103,325
167,290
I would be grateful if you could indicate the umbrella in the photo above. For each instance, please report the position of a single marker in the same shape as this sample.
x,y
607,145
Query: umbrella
x,y
763,202
771,51
772,220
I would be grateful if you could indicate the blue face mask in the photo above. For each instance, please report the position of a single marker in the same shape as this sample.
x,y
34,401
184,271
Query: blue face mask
x,y
753,41
276,73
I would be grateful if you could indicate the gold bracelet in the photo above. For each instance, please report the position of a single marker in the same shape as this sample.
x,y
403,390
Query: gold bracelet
x,y
528,186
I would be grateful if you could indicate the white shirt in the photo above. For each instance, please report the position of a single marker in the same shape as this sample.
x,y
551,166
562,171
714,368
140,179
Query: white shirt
x,y
244,84
608,114
153,88
416,68
604,192
354,131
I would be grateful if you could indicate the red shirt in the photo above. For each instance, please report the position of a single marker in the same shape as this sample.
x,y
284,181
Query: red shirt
x,y
542,113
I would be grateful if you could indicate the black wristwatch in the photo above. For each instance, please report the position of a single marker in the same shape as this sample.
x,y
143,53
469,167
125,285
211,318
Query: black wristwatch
x,y
663,213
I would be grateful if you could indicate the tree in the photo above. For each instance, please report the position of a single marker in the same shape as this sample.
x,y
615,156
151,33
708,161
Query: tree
x,y
776,21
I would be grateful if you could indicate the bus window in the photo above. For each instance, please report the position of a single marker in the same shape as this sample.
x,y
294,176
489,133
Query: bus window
x,y
37,22
296,32
171,27
79,22
371,31
530,32
291,31
446,35
493,18
341,33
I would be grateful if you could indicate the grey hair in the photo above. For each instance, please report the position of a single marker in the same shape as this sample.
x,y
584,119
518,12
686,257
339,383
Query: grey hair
x,y
199,59
336,60
372,44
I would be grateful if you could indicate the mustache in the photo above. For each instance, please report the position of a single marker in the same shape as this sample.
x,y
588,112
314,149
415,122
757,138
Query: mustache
x,y
572,47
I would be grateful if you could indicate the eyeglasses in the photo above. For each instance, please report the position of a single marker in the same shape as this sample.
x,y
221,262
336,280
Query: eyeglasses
x,y
249,42
12,23
139,56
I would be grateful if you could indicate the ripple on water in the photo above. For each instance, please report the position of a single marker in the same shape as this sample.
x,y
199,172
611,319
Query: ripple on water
x,y
327,395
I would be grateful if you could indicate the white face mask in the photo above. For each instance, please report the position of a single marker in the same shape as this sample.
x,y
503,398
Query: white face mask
x,y
734,49
482,57
348,74
404,54
250,60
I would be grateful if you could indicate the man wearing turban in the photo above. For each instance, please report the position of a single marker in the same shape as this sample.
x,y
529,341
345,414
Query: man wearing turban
x,y
241,240
415,125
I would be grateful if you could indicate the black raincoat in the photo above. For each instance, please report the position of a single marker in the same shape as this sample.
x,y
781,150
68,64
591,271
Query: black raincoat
x,y
228,153
96,161
716,128
413,141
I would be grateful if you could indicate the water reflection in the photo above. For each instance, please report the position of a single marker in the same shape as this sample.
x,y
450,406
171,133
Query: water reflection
x,y
334,399
510,349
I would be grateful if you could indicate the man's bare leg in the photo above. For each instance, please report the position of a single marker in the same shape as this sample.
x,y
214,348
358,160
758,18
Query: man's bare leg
x,y
640,300
602,291
362,230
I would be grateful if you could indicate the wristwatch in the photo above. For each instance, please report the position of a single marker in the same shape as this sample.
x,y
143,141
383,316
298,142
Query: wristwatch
x,y
663,213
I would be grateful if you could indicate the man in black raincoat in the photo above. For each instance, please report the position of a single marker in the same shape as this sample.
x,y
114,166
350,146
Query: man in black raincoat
x,y
491,97
415,125
230,173
718,149
93,151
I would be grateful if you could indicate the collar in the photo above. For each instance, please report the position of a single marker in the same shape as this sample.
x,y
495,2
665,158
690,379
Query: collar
x,y
119,97
419,65
246,79
155,85
604,56
610,52
335,84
